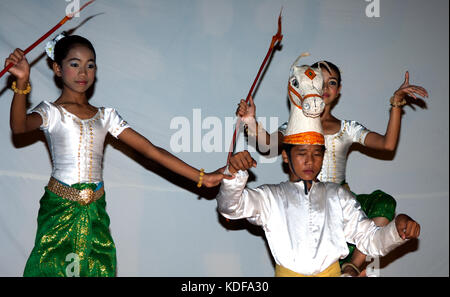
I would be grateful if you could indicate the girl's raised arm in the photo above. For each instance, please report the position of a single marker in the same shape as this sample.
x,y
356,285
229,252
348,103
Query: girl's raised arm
x,y
247,112
389,140
20,122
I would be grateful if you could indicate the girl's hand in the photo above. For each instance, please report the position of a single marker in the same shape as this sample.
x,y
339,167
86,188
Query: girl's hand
x,y
21,68
214,178
246,111
407,228
409,90
241,161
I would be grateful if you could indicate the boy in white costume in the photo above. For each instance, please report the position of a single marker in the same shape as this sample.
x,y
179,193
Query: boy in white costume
x,y
307,223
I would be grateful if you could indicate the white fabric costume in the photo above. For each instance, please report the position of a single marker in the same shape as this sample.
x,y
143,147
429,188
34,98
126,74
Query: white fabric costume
x,y
337,146
306,233
77,145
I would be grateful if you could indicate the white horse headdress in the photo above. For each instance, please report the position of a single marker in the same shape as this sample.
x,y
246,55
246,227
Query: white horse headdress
x,y
305,94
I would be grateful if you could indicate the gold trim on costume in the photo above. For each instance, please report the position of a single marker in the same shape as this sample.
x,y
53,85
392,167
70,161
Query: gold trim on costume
x,y
83,197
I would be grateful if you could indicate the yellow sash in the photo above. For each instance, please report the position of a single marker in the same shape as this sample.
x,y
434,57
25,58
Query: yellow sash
x,y
333,270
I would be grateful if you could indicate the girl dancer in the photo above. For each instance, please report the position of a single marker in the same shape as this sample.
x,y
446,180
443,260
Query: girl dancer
x,y
73,226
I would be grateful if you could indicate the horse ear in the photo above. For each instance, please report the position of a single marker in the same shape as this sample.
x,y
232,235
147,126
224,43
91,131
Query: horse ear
x,y
324,64
305,54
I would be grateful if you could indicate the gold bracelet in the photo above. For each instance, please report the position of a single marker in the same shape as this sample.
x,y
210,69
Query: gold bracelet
x,y
21,92
200,178
397,104
352,266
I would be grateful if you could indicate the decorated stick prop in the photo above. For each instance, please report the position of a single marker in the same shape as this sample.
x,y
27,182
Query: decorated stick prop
x,y
31,47
276,38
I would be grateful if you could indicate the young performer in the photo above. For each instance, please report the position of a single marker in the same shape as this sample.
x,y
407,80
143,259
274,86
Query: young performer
x,y
73,226
307,222
339,136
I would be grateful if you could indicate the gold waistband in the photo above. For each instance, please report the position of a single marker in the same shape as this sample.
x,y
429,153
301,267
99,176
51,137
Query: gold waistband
x,y
333,270
83,197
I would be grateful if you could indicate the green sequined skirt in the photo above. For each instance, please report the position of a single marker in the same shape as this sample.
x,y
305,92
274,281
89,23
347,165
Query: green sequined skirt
x,y
72,239
375,204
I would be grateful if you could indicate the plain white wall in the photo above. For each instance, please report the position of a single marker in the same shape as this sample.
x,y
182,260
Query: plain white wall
x,y
159,61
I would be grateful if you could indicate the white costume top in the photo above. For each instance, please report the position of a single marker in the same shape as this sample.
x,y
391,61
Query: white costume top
x,y
337,146
77,145
306,233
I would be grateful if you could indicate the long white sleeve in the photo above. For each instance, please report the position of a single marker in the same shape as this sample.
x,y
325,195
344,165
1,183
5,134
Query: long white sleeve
x,y
362,231
236,202
306,232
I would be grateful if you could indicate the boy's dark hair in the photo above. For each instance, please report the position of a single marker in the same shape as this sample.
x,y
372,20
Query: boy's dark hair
x,y
64,45
332,66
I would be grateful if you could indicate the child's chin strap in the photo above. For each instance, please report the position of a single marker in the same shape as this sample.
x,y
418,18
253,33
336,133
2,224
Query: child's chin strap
x,y
304,183
299,178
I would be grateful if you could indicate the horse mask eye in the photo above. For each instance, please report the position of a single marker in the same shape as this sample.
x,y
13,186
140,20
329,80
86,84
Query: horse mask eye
x,y
295,82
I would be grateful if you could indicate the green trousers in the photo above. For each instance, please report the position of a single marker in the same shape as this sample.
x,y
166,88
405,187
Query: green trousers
x,y
72,239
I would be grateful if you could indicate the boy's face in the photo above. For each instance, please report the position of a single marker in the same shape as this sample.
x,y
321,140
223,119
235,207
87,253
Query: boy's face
x,y
306,160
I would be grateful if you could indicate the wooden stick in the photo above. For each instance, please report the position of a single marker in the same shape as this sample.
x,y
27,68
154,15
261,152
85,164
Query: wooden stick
x,y
276,38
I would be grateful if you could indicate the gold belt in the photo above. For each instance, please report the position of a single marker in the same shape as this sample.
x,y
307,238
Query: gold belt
x,y
333,270
83,197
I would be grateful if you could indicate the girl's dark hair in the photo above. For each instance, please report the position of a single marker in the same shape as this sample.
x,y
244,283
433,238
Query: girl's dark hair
x,y
64,45
332,66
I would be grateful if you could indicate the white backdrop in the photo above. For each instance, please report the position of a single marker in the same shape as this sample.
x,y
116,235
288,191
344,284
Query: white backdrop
x,y
160,62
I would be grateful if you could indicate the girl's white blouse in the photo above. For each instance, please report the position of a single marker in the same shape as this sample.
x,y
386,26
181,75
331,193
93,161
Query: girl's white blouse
x,y
76,146
337,146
